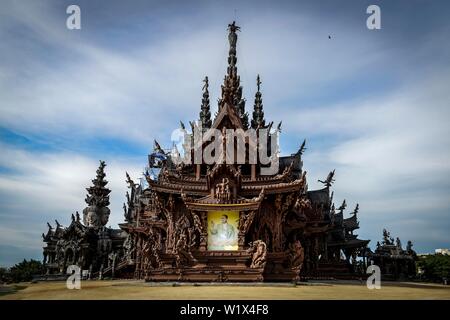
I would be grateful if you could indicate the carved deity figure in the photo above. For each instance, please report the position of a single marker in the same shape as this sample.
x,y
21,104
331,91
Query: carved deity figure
x,y
398,243
170,229
96,217
296,254
409,248
246,220
197,222
232,36
128,247
387,237
259,250
223,190
182,252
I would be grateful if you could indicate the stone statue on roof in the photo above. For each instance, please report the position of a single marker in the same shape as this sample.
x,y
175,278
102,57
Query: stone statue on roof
x,y
232,36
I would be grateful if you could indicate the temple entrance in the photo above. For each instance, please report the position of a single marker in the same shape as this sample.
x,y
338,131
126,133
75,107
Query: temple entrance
x,y
223,230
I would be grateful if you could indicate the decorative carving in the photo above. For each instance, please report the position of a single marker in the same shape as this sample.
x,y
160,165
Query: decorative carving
x,y
296,254
387,239
182,252
129,248
223,190
393,261
409,246
302,203
259,252
205,113
232,36
398,243
286,172
329,180
245,220
197,222
302,148
222,277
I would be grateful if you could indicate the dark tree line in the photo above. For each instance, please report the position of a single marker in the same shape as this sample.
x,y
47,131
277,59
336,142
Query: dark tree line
x,y
435,267
22,271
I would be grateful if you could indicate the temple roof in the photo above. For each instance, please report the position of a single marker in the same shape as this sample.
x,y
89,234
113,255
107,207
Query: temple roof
x,y
210,203
227,112
248,187
351,223
353,243
321,196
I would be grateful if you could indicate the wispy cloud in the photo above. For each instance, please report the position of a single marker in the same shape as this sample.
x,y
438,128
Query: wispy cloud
x,y
41,187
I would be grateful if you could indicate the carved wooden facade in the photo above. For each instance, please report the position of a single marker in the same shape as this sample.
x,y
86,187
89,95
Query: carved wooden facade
x,y
285,232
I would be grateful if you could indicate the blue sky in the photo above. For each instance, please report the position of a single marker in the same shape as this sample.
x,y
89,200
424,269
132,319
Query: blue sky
x,y
372,104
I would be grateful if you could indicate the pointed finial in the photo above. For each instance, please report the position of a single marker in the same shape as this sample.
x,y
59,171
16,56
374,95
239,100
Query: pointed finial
x,y
329,180
279,126
343,206
356,209
233,27
205,112
206,85
258,112
157,147
302,147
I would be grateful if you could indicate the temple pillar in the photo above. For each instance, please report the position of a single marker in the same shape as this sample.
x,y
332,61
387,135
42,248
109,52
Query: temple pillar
x,y
253,172
197,172
204,234
241,240
325,247
203,242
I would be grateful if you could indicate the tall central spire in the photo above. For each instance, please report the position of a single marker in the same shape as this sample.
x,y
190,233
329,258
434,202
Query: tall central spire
x,y
231,88
232,59
205,114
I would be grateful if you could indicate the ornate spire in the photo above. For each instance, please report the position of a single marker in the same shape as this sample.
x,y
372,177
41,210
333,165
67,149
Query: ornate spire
x,y
98,194
231,88
258,113
205,113
97,213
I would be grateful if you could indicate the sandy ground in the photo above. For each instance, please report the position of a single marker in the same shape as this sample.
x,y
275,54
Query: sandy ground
x,y
120,289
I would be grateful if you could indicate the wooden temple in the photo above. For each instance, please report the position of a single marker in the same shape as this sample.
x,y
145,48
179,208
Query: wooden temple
x,y
221,221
